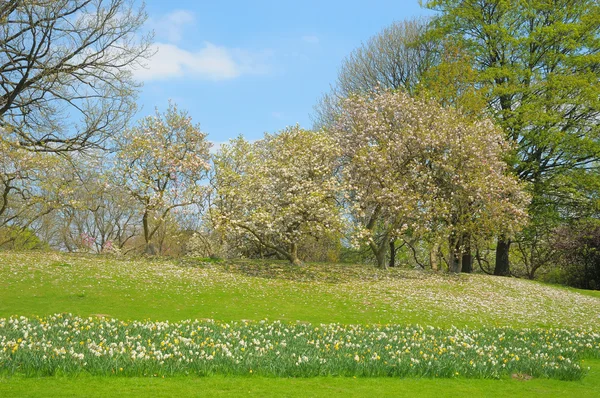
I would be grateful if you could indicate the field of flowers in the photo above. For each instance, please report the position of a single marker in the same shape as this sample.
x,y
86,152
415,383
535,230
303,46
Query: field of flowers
x,y
69,345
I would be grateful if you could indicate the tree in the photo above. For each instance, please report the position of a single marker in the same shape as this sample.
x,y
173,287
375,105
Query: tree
x,y
66,71
579,254
95,214
537,65
452,80
28,187
395,58
452,83
278,190
161,163
415,169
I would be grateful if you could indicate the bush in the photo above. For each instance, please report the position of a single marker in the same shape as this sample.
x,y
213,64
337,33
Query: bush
x,y
13,238
579,249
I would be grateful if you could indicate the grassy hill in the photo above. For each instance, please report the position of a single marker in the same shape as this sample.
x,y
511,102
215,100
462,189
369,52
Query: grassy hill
x,y
42,284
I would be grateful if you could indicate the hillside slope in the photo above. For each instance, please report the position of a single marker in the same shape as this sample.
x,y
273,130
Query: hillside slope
x,y
47,283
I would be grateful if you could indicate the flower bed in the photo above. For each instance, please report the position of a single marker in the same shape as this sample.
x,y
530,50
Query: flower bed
x,y
67,344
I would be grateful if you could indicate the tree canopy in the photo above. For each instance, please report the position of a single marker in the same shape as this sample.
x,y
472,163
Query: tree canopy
x,y
537,64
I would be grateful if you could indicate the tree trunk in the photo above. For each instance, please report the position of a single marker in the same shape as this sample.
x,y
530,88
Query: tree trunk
x,y
293,255
380,251
502,267
456,258
149,248
434,256
467,258
392,253
433,259
380,257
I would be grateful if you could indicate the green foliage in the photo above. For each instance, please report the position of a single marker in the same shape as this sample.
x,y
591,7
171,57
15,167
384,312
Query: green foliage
x,y
537,64
578,246
14,238
555,275
356,255
208,260
326,249
452,81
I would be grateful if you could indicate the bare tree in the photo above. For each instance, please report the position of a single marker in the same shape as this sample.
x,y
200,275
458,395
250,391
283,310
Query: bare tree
x,y
97,210
28,188
66,78
396,58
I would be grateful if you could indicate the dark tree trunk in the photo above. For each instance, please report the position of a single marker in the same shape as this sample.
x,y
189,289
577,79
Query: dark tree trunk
x,y
392,253
502,267
467,257
380,251
149,249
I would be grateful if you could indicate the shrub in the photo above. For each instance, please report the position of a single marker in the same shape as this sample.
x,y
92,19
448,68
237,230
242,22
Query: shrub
x,y
579,249
14,238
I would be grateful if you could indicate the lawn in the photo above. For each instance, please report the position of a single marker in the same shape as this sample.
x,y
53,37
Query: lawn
x,y
219,386
240,293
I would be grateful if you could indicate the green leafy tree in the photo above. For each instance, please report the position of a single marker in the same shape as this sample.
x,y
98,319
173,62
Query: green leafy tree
x,y
537,63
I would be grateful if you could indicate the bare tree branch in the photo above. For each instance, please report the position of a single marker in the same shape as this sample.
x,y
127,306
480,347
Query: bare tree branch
x,y
66,80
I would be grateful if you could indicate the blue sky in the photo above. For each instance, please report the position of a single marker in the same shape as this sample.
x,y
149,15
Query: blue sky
x,y
249,67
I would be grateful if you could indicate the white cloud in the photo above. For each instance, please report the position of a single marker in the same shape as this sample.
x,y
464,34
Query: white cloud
x,y
310,39
211,62
172,25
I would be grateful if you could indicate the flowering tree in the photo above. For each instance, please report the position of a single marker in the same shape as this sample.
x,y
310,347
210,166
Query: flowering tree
x,y
278,190
161,163
415,169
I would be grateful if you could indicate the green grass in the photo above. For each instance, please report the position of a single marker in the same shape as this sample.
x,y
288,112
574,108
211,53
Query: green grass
x,y
32,284
219,386
41,284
